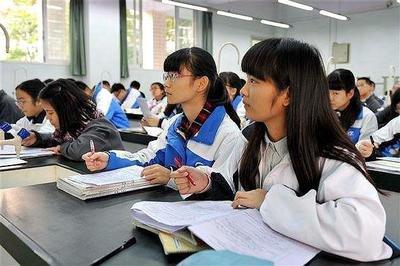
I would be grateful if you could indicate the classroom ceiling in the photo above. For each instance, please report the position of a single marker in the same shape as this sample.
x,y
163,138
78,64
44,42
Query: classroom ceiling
x,y
272,10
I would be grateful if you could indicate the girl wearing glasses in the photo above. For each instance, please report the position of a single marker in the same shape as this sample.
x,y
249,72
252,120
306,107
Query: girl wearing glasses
x,y
27,98
76,122
295,163
203,135
159,102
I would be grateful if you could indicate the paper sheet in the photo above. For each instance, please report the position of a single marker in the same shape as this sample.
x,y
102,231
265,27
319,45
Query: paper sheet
x,y
153,131
8,151
244,232
144,107
134,111
131,173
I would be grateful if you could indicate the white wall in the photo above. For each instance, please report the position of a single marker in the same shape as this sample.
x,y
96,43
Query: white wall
x,y
374,39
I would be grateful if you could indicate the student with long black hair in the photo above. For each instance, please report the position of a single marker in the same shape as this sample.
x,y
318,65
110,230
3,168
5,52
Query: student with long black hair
x,y
159,102
76,121
357,120
203,135
295,163
27,99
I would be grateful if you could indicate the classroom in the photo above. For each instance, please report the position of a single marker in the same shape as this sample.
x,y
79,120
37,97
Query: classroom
x,y
199,132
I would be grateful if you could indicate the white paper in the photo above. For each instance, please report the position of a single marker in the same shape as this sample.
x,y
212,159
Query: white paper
x,y
245,233
134,111
390,159
8,151
12,161
385,165
153,131
144,107
126,174
179,214
133,129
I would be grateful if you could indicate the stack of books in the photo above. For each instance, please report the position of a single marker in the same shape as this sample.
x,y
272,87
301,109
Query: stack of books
x,y
105,183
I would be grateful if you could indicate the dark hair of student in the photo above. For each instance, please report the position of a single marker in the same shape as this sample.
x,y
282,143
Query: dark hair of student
x,y
47,81
232,80
367,80
394,100
105,82
343,79
74,108
117,87
242,82
81,85
31,87
200,63
135,84
313,130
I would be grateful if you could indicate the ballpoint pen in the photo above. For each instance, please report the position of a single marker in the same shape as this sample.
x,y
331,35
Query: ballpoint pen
x,y
178,163
125,245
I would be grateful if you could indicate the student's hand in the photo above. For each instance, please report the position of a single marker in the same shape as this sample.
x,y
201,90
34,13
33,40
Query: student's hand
x,y
30,140
95,161
150,122
56,149
250,199
156,174
183,184
365,147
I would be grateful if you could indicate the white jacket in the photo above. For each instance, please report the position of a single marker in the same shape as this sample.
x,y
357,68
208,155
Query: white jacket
x,y
365,124
44,127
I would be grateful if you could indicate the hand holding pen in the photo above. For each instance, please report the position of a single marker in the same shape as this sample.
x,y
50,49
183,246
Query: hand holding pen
x,y
366,147
178,163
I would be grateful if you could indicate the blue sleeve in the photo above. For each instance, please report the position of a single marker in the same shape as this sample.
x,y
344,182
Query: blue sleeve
x,y
115,162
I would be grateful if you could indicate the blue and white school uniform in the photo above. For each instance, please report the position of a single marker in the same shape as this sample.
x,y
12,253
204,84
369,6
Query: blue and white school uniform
x,y
238,105
43,126
210,146
390,135
131,99
157,107
109,107
365,124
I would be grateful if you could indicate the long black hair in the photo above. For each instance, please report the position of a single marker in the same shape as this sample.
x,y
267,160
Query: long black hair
x,y
343,79
231,79
74,108
313,130
200,63
32,87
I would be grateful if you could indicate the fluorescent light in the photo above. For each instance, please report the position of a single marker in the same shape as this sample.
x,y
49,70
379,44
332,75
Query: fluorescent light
x,y
200,8
332,15
233,15
276,24
295,4
54,7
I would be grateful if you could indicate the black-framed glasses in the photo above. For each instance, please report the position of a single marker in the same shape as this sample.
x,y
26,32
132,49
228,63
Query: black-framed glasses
x,y
173,76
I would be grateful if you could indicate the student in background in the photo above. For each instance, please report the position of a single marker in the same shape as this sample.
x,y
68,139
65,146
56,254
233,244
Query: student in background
x,y
106,85
119,92
132,96
233,84
162,120
204,134
9,111
295,163
76,120
85,88
136,85
27,98
391,111
357,120
159,102
366,88
109,107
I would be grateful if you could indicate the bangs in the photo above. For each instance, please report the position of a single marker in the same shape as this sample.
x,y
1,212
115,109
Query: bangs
x,y
175,61
335,83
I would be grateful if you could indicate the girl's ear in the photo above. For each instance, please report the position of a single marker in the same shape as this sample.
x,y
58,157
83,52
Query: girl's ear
x,y
350,94
201,84
286,99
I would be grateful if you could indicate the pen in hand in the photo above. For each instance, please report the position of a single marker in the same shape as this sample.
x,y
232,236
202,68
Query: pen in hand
x,y
178,163
125,245
92,149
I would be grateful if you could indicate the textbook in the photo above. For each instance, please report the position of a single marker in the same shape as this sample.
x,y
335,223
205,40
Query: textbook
x,y
224,228
104,183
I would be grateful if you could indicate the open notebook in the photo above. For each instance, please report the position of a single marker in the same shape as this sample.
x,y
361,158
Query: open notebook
x,y
105,183
8,151
224,228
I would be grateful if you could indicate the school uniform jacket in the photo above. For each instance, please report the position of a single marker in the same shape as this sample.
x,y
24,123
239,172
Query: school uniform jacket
x,y
364,126
210,146
40,124
343,217
389,138
103,133
157,107
109,107
238,105
131,99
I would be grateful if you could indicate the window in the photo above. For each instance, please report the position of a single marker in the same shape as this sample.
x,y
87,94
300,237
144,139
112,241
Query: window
x,y
155,30
38,29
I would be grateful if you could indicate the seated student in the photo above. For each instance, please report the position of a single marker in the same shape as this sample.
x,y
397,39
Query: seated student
x,y
9,111
204,134
27,98
106,85
132,96
119,92
76,120
109,106
295,163
162,120
159,102
391,111
366,88
233,84
358,121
